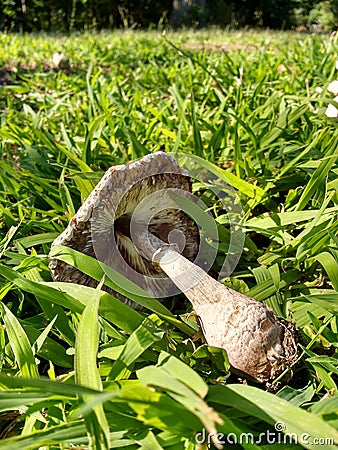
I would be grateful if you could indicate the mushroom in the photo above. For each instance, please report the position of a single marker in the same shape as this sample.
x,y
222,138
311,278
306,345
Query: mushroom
x,y
101,227
158,239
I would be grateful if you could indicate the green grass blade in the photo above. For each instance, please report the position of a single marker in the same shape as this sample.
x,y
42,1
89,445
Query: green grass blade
x,y
40,290
52,436
183,373
20,345
250,190
37,239
149,442
143,337
198,145
110,308
320,173
116,281
139,149
86,346
287,118
87,373
43,336
164,377
64,388
278,220
272,410
330,265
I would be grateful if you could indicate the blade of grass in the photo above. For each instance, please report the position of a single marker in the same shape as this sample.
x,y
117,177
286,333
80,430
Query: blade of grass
x,y
20,344
116,281
198,145
330,265
320,173
87,373
273,410
143,337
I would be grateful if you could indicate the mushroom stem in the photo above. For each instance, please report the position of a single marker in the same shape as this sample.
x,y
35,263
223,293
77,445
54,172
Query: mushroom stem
x,y
196,284
256,341
187,276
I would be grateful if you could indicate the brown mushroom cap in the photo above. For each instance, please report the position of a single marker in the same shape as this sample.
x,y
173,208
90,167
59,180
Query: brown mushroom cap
x,y
101,226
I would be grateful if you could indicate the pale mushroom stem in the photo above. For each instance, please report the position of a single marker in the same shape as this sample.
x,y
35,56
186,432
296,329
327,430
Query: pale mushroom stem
x,y
191,279
256,341
196,284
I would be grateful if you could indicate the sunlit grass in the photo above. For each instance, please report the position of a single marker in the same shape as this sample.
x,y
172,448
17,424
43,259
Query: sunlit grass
x,y
245,101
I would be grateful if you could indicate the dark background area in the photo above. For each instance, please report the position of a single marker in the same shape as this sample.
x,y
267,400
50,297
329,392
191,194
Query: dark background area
x,y
69,15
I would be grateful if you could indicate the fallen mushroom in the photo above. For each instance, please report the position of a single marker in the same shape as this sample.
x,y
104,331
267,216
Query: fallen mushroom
x,y
258,344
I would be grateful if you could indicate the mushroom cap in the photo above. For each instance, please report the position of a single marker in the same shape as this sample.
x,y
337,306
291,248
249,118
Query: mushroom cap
x,y
136,193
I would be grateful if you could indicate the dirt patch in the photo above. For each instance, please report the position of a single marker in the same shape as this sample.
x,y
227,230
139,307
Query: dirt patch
x,y
10,71
226,47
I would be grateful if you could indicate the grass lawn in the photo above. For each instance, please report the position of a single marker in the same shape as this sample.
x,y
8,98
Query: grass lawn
x,y
79,368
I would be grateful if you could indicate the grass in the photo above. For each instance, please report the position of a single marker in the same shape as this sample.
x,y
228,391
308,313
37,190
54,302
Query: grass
x,y
79,368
